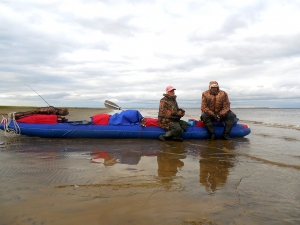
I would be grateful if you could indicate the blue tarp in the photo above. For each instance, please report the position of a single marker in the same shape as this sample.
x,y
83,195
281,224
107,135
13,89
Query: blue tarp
x,y
127,117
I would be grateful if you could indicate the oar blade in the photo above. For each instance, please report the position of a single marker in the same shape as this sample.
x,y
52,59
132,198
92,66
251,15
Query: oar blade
x,y
111,105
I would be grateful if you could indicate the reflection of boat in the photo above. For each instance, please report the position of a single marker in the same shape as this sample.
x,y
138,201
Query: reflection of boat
x,y
105,152
109,158
80,129
102,157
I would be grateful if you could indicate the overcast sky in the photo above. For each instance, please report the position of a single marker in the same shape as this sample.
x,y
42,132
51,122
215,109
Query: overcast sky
x,y
79,53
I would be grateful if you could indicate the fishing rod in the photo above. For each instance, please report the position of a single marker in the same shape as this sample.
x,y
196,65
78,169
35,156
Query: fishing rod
x,y
38,94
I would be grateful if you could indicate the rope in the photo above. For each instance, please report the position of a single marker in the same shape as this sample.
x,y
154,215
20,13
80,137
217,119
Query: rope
x,y
11,132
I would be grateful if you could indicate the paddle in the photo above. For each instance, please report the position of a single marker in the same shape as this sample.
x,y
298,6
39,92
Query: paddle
x,y
111,105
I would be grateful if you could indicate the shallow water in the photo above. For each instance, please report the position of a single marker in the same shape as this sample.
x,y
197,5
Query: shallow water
x,y
267,116
251,180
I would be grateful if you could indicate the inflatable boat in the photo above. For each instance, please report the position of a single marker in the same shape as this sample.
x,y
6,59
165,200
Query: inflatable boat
x,y
127,124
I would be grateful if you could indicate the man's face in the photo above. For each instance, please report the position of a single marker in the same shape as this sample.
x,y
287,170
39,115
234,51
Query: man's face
x,y
171,93
214,90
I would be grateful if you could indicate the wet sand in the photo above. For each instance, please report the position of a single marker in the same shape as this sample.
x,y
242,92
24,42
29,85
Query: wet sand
x,y
251,180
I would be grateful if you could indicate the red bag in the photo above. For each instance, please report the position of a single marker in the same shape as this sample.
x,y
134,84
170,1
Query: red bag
x,y
200,124
39,119
100,119
150,122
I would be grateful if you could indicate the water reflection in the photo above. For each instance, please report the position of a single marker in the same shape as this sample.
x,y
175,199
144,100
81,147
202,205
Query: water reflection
x,y
111,156
169,160
215,158
215,164
102,157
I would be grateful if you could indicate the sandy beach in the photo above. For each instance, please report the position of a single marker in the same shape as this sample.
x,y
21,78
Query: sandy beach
x,y
251,180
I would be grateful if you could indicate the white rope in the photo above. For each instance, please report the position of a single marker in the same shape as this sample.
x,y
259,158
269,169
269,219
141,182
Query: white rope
x,y
11,132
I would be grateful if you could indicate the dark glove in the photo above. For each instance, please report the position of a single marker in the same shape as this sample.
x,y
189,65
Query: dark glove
x,y
181,112
217,117
175,117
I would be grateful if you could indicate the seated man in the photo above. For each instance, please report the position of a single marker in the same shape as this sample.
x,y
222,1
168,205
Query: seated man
x,y
215,106
169,116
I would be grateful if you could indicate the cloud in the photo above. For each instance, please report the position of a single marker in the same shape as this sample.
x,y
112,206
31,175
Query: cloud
x,y
232,22
81,53
117,26
262,49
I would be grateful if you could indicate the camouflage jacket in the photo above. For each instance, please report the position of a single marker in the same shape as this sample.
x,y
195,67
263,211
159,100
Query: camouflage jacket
x,y
168,111
215,104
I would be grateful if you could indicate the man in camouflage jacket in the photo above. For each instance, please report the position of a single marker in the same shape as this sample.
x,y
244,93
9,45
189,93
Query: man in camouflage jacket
x,y
169,116
215,106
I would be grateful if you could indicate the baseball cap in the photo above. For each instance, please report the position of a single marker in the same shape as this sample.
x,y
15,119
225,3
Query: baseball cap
x,y
170,88
214,85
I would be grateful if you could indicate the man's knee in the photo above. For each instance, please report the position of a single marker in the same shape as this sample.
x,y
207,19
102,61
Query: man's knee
x,y
176,129
183,124
205,117
230,116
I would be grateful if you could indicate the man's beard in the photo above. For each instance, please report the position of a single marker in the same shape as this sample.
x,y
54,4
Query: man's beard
x,y
214,92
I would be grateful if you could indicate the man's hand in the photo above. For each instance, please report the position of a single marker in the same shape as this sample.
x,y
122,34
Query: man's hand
x,y
217,117
181,112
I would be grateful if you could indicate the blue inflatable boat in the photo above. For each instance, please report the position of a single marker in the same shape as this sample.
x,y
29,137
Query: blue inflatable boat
x,y
118,126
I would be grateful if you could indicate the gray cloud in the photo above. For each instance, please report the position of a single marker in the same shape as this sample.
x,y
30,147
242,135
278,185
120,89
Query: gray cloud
x,y
77,59
242,19
185,66
255,50
118,26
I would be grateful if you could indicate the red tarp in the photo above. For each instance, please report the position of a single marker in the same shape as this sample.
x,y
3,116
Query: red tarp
x,y
100,119
151,122
200,124
39,119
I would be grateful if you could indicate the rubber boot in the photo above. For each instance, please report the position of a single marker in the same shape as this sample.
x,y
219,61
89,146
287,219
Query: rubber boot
x,y
178,138
165,136
176,131
211,130
226,131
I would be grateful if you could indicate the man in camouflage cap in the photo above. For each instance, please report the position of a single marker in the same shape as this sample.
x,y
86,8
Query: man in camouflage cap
x,y
215,106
